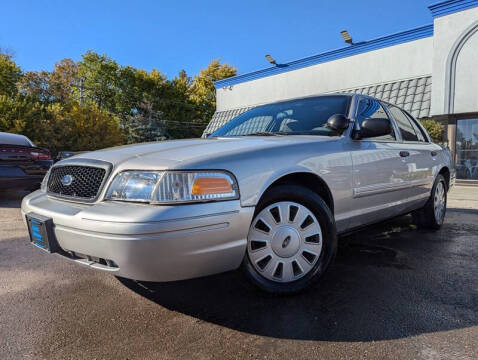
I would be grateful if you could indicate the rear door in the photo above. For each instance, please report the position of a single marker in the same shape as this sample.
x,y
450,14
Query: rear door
x,y
420,161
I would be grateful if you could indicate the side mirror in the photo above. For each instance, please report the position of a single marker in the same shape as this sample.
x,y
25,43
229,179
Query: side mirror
x,y
338,123
375,127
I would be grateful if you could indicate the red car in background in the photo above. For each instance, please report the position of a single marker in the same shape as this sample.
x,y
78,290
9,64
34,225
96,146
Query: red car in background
x,y
22,164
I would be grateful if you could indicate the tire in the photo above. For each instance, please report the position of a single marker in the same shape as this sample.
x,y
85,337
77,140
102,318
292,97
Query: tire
x,y
299,233
432,215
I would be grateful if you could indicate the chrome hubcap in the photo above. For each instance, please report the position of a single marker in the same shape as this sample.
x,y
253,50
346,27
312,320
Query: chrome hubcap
x,y
439,202
284,241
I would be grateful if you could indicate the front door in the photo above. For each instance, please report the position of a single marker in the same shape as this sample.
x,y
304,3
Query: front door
x,y
380,171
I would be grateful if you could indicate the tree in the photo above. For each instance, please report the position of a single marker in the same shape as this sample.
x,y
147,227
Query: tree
x,y
48,87
36,84
16,113
99,75
434,128
63,80
10,74
91,128
203,90
146,125
118,103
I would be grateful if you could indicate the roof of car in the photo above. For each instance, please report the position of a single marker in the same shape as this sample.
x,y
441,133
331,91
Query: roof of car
x,y
14,139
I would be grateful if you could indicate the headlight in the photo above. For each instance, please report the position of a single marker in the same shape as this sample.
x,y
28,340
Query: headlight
x,y
44,182
169,187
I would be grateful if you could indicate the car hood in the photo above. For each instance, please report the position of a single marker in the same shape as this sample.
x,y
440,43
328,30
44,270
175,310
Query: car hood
x,y
180,153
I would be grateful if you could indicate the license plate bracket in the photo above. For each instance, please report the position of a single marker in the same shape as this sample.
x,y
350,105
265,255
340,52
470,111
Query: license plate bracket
x,y
41,233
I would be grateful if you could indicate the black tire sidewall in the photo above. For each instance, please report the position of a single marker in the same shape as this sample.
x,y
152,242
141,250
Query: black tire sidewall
x,y
439,179
425,217
325,218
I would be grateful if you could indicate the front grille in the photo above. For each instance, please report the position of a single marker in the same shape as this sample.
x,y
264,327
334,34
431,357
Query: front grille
x,y
79,182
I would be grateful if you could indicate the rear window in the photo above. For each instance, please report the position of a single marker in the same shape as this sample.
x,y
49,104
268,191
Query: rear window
x,y
14,139
421,135
407,130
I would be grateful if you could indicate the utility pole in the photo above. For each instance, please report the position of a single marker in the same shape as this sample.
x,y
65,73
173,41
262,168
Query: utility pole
x,y
82,80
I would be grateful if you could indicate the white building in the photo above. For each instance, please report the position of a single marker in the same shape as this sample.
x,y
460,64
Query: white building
x,y
431,71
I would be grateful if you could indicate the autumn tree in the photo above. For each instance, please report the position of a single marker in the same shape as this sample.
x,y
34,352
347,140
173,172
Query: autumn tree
x,y
203,90
92,128
36,84
95,102
64,80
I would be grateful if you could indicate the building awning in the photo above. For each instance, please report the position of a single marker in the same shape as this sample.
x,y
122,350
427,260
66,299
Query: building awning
x,y
222,117
413,95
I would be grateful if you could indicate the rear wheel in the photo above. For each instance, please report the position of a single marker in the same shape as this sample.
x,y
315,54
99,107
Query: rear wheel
x,y
432,215
292,240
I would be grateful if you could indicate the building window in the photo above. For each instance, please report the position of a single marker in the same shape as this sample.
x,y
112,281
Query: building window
x,y
467,149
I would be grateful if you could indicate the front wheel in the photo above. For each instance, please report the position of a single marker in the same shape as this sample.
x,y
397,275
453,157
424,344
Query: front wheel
x,y
291,242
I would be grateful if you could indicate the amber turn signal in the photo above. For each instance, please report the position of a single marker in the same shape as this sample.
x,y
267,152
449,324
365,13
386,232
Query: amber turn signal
x,y
211,185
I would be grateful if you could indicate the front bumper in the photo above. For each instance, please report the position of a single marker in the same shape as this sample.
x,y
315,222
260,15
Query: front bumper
x,y
149,242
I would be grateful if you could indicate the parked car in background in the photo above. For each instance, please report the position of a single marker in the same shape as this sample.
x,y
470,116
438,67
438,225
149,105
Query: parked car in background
x,y
22,164
269,191
67,154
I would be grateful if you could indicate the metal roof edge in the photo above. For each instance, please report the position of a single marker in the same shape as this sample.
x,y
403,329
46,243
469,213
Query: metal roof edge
x,y
443,8
359,48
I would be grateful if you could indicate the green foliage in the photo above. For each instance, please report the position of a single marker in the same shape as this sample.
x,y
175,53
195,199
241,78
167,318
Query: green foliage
x,y
63,80
10,73
96,103
58,127
203,91
146,125
98,76
90,127
17,113
434,128
36,86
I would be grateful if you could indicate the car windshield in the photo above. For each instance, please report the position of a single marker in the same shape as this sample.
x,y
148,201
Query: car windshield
x,y
296,117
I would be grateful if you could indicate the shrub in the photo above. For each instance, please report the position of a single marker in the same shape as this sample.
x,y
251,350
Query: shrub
x,y
434,128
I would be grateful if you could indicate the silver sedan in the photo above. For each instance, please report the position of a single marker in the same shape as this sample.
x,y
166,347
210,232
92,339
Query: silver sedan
x,y
268,192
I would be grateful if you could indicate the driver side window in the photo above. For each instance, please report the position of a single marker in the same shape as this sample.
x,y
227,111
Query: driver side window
x,y
370,109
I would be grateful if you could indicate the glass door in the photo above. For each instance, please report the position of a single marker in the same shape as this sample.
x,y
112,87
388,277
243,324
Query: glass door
x,y
467,149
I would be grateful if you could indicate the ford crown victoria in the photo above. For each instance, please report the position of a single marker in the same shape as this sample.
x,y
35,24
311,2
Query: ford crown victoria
x,y
268,192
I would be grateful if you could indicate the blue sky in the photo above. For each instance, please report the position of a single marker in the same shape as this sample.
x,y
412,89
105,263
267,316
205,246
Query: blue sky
x,y
172,35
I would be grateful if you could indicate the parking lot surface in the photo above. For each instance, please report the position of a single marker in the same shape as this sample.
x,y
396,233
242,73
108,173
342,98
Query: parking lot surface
x,y
393,293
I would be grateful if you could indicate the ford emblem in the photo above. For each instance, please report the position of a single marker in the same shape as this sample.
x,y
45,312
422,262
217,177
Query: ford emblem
x,y
67,180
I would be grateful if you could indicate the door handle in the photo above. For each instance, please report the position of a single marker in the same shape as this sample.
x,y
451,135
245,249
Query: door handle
x,y
433,153
404,154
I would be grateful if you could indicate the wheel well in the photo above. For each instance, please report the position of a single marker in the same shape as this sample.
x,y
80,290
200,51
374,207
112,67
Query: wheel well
x,y
310,181
446,174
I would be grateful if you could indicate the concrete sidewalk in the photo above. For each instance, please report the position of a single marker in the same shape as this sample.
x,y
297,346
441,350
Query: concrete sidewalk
x,y
463,197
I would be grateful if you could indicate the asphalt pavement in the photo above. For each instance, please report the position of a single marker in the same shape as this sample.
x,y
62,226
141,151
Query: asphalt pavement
x,y
394,292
